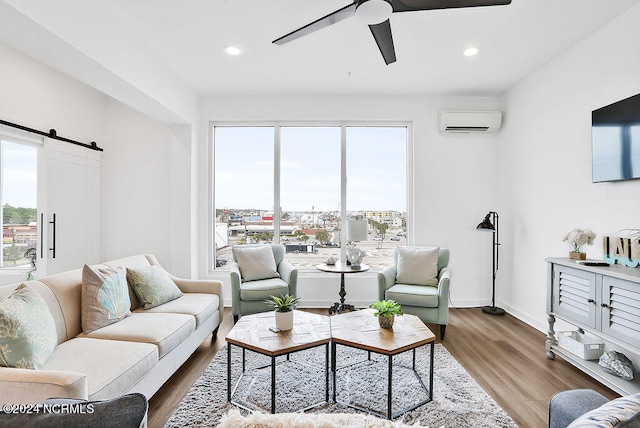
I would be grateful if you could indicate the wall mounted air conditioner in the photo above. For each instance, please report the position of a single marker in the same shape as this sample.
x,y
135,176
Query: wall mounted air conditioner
x,y
469,121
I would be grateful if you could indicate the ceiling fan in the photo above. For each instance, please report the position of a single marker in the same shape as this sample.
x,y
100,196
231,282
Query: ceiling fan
x,y
376,13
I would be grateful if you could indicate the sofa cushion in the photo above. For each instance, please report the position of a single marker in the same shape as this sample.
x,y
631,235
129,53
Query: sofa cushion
x,y
27,329
256,262
152,285
410,295
418,266
621,412
261,290
112,367
200,305
105,297
165,331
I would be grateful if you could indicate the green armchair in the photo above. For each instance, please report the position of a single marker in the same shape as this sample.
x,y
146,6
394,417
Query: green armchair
x,y
427,298
257,274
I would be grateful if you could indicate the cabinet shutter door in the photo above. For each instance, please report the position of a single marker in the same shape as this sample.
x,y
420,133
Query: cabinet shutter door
x,y
621,310
574,295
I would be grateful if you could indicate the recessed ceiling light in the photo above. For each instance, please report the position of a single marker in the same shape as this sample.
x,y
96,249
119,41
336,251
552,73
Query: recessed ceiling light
x,y
470,51
232,50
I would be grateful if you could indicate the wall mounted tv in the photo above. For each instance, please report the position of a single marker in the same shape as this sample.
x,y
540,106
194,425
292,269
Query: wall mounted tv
x,y
615,135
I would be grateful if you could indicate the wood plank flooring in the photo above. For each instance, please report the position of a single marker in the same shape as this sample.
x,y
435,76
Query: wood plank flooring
x,y
504,355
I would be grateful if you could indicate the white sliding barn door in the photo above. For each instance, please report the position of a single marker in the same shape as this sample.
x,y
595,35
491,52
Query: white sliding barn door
x,y
68,207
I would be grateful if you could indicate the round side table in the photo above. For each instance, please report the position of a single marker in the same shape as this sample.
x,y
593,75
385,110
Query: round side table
x,y
341,269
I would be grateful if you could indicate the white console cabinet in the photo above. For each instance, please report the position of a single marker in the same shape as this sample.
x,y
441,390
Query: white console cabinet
x,y
603,302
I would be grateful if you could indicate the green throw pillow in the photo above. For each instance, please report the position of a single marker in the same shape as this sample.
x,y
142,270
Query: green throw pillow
x,y
152,285
27,329
105,297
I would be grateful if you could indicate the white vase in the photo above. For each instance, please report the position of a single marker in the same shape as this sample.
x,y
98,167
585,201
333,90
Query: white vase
x,y
284,320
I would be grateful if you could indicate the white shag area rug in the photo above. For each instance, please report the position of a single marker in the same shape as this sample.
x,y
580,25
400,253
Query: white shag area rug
x,y
458,401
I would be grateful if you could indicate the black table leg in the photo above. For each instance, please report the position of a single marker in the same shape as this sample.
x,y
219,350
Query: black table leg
x,y
326,372
229,372
333,368
390,384
431,373
341,306
273,384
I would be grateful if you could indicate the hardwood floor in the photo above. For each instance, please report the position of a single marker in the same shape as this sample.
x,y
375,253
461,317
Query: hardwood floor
x,y
504,355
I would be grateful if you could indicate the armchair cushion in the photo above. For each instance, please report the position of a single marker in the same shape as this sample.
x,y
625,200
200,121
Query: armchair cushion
x,y
256,263
410,295
417,266
261,290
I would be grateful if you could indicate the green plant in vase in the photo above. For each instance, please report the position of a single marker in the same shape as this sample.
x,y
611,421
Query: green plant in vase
x,y
284,306
386,310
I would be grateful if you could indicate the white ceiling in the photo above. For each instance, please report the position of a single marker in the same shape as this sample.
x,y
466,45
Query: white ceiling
x,y
184,40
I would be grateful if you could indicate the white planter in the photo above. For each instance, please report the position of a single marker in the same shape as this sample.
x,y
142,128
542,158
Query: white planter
x,y
284,320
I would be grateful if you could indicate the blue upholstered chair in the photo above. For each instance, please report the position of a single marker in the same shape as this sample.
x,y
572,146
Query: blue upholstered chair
x,y
420,283
257,272
127,411
588,408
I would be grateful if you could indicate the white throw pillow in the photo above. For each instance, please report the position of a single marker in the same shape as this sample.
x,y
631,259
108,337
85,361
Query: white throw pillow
x,y
417,266
256,263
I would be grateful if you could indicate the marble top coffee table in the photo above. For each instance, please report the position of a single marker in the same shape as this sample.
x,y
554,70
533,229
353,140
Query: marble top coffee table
x,y
252,332
361,330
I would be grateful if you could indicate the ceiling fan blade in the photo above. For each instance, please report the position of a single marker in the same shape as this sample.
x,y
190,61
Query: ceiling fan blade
x,y
413,5
327,20
382,34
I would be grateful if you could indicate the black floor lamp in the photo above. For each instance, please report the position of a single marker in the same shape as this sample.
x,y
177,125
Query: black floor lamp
x,y
488,226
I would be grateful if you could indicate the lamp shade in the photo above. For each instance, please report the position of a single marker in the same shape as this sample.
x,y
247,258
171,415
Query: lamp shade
x,y
356,230
486,225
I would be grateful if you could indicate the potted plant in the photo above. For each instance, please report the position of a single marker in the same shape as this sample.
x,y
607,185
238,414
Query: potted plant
x,y
577,238
284,306
386,310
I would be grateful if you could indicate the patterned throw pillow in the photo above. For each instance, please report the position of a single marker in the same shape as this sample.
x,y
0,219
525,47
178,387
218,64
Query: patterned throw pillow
x,y
621,412
27,329
152,285
417,266
105,297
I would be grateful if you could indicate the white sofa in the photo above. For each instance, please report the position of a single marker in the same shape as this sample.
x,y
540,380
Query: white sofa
x,y
137,354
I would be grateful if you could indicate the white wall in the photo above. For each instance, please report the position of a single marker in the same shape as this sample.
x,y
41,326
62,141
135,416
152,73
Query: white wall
x,y
545,161
139,163
454,183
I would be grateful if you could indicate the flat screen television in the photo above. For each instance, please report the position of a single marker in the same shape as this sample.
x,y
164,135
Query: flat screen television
x,y
615,135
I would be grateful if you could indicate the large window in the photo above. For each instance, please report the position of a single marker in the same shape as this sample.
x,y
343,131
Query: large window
x,y
18,196
295,185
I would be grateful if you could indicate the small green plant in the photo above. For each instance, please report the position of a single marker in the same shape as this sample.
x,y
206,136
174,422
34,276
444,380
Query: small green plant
x,y
387,308
283,303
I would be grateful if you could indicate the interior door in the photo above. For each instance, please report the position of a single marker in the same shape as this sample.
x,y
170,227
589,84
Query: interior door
x,y
69,207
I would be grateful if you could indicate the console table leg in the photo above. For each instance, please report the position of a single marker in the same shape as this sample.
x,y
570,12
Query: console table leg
x,y
551,338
